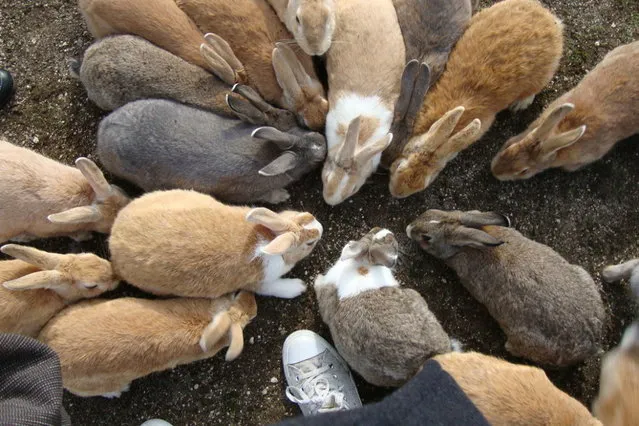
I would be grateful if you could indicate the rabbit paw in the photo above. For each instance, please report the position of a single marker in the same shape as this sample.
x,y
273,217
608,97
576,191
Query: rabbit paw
x,y
277,196
286,288
522,104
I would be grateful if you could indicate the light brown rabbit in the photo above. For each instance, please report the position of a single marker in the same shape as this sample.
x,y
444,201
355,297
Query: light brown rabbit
x,y
104,345
364,71
582,125
513,395
246,28
41,284
188,244
486,72
616,404
43,198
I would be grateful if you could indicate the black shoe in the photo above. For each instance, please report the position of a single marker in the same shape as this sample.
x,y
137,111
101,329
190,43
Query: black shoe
x,y
6,87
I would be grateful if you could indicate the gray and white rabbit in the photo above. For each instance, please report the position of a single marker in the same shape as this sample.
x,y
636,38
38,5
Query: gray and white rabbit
x,y
384,332
160,144
550,310
628,270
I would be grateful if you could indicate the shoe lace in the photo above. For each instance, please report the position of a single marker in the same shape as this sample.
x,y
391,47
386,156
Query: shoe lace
x,y
315,390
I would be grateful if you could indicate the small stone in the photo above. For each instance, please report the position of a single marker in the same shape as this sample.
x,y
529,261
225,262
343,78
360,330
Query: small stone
x,y
252,340
248,392
614,25
196,386
597,43
273,379
36,139
264,391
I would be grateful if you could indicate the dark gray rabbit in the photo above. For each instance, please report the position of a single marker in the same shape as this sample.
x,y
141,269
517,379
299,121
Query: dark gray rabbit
x,y
550,310
430,29
160,144
385,332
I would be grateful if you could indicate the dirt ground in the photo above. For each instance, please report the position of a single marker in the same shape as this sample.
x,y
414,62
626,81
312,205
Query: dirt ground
x,y
590,217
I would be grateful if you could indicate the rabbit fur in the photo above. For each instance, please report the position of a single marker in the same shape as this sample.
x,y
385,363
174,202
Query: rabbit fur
x,y
383,331
185,243
511,394
616,404
43,198
104,345
40,284
582,125
364,85
159,144
486,72
560,323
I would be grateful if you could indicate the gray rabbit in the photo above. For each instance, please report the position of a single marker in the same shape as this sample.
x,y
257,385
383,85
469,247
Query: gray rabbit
x,y
160,144
385,332
628,270
550,310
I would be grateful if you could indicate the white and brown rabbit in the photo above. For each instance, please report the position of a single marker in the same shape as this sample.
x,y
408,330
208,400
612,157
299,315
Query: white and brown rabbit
x,y
549,309
616,404
43,198
384,332
511,394
104,345
486,72
39,285
185,243
582,125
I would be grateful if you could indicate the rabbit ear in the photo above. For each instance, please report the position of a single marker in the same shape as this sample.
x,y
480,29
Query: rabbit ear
x,y
619,272
245,110
346,152
39,258
470,237
281,139
463,139
371,150
84,214
353,250
409,76
280,244
215,330
95,177
440,131
477,219
562,141
37,280
282,164
630,339
422,84
237,342
552,120
268,218
381,255
289,72
219,55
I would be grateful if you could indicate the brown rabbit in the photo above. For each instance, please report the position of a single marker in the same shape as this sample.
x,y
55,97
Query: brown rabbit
x,y
513,395
104,345
582,125
41,284
486,72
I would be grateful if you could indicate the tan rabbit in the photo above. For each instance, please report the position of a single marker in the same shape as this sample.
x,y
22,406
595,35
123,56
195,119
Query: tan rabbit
x,y
41,284
43,198
486,72
513,395
616,404
104,345
188,244
248,28
364,71
582,125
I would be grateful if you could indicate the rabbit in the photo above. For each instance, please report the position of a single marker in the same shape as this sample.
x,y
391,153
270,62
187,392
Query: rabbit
x,y
364,85
582,125
628,270
249,28
159,144
511,394
40,284
383,331
185,243
311,22
486,72
104,345
43,198
616,404
550,310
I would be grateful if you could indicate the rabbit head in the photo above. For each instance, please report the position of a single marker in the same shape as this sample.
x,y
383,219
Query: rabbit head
x,y
443,233
349,164
107,202
425,156
312,23
378,247
72,276
296,234
619,382
535,150
628,270
302,149
303,95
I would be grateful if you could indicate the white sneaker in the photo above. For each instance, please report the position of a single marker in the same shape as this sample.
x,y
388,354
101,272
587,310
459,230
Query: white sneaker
x,y
318,379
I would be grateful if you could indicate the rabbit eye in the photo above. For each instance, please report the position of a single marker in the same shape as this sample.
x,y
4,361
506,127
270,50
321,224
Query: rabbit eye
x,y
89,285
524,171
426,237
310,243
297,18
